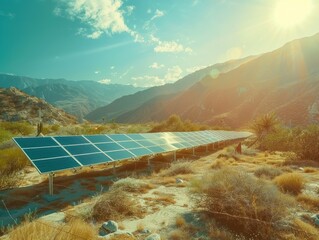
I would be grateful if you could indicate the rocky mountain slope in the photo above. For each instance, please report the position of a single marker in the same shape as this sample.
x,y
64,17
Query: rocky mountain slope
x,y
76,97
121,108
18,106
285,81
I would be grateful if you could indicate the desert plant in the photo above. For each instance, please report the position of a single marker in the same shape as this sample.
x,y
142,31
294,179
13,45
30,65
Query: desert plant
x,y
267,172
176,168
307,143
132,185
41,230
241,202
264,125
115,205
290,182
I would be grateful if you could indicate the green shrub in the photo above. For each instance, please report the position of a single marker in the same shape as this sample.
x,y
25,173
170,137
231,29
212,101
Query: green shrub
x,y
21,128
175,124
307,143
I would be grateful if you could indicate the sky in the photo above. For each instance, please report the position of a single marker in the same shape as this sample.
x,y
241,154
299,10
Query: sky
x,y
141,42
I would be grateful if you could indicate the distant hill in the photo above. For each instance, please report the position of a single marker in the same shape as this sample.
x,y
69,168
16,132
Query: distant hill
x,y
76,97
18,106
285,81
120,109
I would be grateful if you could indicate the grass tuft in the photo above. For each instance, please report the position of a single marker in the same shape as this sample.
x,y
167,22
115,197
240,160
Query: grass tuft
x,y
178,168
290,182
267,172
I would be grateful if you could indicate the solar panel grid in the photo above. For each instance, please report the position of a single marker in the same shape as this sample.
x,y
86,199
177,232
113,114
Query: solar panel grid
x,y
58,153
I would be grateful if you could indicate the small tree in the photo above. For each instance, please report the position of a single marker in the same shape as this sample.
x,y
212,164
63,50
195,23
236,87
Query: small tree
x,y
264,125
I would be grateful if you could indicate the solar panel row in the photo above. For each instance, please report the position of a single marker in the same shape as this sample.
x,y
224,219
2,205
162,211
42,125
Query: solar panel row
x,y
51,154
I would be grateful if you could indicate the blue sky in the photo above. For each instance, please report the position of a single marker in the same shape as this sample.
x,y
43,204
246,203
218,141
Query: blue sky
x,y
140,42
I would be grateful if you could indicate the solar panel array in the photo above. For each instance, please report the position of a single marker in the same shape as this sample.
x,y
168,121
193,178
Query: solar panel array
x,y
52,154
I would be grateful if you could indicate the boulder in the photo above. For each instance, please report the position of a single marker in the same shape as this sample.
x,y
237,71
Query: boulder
x,y
315,218
179,180
110,226
153,236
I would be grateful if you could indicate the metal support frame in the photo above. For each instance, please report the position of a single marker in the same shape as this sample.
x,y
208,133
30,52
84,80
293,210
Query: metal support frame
x,y
51,183
193,151
114,165
206,148
174,156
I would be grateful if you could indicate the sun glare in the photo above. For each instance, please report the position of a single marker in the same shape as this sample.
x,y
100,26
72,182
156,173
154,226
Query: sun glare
x,y
290,13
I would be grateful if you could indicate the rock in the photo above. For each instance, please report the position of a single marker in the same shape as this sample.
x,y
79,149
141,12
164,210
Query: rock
x,y
110,226
315,218
145,231
178,180
153,236
118,234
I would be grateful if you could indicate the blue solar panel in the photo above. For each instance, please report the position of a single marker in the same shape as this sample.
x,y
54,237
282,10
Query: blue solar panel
x,y
119,155
69,140
50,154
91,159
56,164
99,138
81,149
109,146
46,152
35,142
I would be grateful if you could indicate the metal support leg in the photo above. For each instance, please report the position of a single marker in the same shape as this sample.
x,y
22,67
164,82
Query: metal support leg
x,y
193,151
51,184
174,156
206,148
114,164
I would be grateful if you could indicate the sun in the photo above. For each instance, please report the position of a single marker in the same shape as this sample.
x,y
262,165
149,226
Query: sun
x,y
290,13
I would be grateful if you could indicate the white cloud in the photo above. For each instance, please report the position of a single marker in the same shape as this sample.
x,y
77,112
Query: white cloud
x,y
194,69
105,81
100,15
173,74
97,72
156,65
130,9
112,67
158,14
169,46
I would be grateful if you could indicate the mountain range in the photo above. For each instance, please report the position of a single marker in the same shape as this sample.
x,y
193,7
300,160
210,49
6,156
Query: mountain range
x,y
75,97
284,81
19,106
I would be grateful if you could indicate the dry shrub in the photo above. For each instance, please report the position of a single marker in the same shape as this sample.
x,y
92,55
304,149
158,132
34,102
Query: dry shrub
x,y
310,170
306,231
218,164
311,201
180,222
267,172
123,236
40,230
241,202
116,205
132,185
179,167
290,182
178,235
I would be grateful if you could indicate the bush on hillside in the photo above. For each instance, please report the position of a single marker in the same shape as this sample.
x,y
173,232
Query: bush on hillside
x,y
175,124
17,128
307,143
242,202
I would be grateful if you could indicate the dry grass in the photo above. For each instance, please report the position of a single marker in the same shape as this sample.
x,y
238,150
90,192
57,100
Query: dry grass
x,y
122,237
310,170
132,185
178,168
267,172
290,182
178,234
218,164
116,205
180,222
312,202
241,202
40,230
307,231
